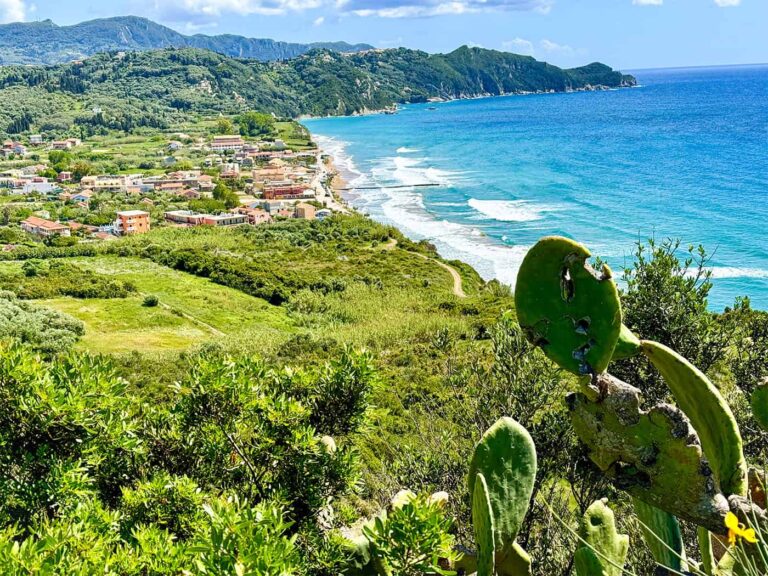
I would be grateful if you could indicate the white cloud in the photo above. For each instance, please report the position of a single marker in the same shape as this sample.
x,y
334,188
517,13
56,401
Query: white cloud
x,y
519,46
555,48
319,21
180,10
12,11
648,2
727,3
215,8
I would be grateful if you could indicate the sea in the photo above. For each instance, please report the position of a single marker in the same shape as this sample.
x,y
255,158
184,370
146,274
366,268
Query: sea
x,y
682,156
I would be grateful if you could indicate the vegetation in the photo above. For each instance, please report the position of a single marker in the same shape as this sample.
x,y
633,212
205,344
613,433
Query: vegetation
x,y
211,404
46,43
139,90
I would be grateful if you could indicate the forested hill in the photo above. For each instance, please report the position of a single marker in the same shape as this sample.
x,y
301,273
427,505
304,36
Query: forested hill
x,y
125,90
46,43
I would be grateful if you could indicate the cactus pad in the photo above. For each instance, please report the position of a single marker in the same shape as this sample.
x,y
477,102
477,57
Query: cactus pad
x,y
653,455
709,414
506,457
566,307
759,402
661,532
482,521
605,550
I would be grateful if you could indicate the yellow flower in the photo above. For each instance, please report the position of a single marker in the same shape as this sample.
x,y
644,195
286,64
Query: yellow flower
x,y
738,530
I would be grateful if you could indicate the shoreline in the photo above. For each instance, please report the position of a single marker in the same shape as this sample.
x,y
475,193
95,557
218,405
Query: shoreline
x,y
393,108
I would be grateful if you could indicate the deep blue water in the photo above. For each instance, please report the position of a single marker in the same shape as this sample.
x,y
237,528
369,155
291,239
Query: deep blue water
x,y
684,156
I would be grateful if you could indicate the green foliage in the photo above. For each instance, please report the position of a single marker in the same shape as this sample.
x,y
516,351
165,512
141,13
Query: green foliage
x,y
224,126
245,540
256,124
42,279
44,329
411,538
136,90
224,194
164,502
150,301
665,300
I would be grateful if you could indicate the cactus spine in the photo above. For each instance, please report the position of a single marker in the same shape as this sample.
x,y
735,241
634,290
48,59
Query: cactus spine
x,y
505,459
605,551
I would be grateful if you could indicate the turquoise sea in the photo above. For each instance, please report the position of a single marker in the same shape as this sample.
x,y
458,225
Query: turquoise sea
x,y
685,155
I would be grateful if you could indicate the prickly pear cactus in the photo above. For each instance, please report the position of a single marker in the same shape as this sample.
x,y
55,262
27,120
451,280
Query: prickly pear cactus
x,y
606,550
482,521
506,457
568,308
661,532
627,346
654,455
759,402
709,414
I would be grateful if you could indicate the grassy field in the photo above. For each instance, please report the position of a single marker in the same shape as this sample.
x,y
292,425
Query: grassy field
x,y
192,310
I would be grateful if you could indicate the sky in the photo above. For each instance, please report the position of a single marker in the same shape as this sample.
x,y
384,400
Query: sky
x,y
626,34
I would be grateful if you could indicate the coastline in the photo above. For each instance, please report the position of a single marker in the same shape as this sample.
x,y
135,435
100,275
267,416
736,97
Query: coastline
x,y
394,107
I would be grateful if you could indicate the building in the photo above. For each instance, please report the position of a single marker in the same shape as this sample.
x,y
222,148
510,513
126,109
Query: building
x,y
225,143
84,196
104,182
230,170
255,216
64,177
285,191
323,214
304,211
45,228
36,139
36,185
189,218
132,222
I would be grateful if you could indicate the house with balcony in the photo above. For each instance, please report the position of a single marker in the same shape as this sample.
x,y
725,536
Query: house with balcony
x,y
131,222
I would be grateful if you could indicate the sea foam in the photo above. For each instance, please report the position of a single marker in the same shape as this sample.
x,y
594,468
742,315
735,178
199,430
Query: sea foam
x,y
510,210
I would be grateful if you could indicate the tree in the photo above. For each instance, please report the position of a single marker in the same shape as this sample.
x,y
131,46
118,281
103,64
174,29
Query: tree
x,y
224,126
256,124
224,194
81,169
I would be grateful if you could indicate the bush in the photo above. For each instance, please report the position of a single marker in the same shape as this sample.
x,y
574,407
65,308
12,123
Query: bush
x,y
150,301
166,502
44,329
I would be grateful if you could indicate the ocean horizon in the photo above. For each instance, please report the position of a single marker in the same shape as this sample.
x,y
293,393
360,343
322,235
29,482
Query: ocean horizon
x,y
683,156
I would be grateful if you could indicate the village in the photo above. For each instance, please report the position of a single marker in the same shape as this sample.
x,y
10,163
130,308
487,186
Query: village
x,y
233,181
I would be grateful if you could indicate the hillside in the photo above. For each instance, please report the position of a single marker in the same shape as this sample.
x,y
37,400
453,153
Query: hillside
x,y
47,43
129,90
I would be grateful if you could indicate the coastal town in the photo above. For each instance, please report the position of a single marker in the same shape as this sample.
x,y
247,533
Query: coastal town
x,y
51,192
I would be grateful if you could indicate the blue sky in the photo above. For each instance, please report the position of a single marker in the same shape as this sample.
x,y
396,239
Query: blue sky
x,y
627,34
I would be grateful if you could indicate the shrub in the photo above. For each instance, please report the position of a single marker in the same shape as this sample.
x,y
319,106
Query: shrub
x,y
167,502
150,301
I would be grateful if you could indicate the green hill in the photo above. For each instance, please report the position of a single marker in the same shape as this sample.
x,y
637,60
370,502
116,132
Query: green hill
x,y
134,89
46,43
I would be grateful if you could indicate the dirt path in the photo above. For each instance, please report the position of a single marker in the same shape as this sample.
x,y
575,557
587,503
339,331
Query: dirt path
x,y
458,288
189,317
458,284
